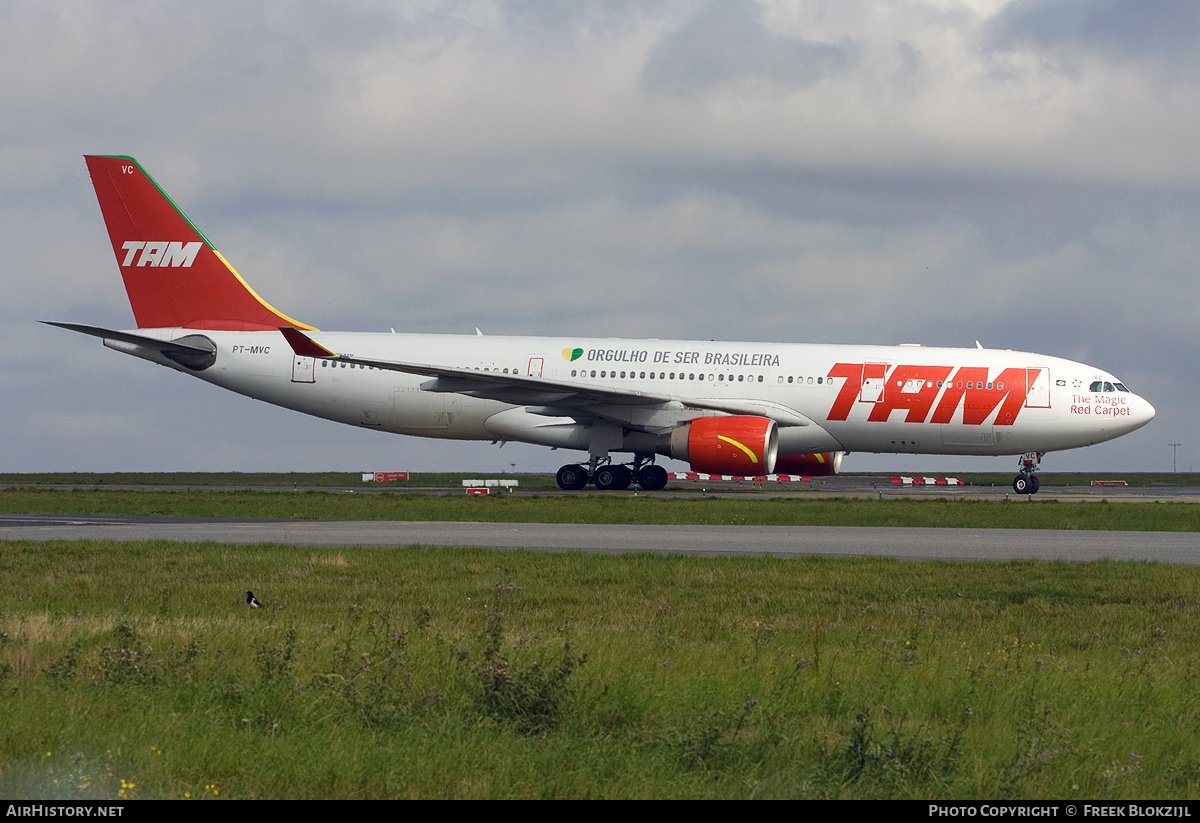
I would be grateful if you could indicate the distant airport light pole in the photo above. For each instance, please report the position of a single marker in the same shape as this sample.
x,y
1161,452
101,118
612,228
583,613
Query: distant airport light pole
x,y
1174,451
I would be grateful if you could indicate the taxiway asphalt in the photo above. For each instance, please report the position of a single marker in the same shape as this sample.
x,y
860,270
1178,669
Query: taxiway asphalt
x,y
782,541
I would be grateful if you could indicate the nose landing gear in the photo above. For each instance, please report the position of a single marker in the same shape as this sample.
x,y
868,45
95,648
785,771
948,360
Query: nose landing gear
x,y
1026,481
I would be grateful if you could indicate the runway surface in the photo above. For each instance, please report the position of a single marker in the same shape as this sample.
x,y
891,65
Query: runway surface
x,y
783,541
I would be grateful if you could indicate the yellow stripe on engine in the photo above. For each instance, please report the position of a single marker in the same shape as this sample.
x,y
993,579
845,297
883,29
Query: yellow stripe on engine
x,y
742,446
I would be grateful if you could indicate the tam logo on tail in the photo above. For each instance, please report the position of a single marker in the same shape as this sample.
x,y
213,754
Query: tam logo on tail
x,y
160,253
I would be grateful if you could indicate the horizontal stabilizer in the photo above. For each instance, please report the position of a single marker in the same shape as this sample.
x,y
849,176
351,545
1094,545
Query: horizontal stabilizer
x,y
194,351
135,339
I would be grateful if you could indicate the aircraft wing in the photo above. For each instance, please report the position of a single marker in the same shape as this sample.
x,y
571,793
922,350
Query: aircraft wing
x,y
551,396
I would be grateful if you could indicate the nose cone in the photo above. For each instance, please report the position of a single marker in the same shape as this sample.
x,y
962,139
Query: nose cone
x,y
1140,412
1143,413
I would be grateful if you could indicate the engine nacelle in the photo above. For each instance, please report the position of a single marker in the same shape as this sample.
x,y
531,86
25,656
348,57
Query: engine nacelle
x,y
818,465
741,445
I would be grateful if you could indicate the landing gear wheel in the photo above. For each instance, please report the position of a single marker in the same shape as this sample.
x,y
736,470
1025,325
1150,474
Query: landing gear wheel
x,y
612,478
572,478
652,478
1026,481
1026,484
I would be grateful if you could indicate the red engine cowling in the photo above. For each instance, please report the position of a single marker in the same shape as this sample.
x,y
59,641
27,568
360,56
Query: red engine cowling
x,y
818,465
740,445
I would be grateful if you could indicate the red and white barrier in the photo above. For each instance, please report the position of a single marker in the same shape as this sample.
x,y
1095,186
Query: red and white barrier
x,y
928,481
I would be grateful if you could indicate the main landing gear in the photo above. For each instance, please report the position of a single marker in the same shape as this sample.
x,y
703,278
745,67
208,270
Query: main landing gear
x,y
1026,481
612,477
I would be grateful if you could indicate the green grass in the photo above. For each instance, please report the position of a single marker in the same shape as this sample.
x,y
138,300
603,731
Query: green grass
x,y
611,508
136,670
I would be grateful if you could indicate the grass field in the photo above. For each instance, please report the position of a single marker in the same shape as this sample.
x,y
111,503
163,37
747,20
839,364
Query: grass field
x,y
138,671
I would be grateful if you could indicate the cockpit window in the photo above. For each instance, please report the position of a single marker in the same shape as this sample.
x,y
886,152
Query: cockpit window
x,y
1105,386
1121,387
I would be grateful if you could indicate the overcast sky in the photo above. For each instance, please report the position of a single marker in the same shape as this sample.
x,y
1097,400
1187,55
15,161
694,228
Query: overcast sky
x,y
1020,173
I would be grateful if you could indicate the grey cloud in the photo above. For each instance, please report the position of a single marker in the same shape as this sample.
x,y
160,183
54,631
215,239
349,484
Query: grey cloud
x,y
1156,30
562,20
726,44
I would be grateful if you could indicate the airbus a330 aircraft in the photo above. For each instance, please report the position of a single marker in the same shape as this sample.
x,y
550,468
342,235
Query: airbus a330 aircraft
x,y
725,408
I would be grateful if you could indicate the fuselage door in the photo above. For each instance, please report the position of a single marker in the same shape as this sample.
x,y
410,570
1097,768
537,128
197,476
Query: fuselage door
x,y
304,369
873,379
1038,394
535,366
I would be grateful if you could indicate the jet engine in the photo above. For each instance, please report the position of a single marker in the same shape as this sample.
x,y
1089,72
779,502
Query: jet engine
x,y
741,445
815,465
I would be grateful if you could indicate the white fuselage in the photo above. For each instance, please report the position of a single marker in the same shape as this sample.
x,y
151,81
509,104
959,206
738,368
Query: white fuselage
x,y
902,399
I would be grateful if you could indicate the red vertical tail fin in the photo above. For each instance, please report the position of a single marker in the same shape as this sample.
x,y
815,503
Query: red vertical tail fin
x,y
173,275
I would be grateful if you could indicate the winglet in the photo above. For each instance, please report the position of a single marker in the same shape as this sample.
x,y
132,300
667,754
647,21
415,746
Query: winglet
x,y
303,345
